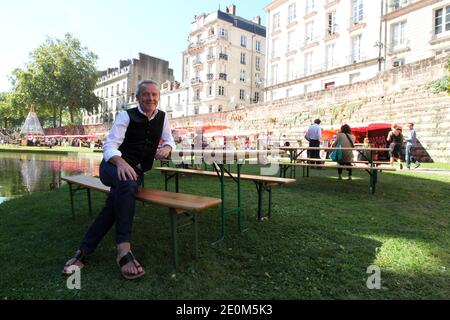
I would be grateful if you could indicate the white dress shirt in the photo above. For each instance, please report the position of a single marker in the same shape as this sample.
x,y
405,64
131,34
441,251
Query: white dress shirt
x,y
119,128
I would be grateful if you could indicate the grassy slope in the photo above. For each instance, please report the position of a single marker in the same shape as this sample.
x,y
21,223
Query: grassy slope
x,y
323,236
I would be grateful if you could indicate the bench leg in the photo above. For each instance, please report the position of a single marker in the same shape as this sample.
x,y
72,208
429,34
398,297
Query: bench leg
x,y
373,180
173,225
260,190
89,201
71,200
270,202
195,235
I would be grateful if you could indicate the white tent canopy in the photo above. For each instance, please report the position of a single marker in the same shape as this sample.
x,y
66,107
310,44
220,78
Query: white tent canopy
x,y
32,126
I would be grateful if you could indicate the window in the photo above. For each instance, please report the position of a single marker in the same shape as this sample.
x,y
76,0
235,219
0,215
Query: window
x,y
223,33
292,12
274,46
196,110
289,92
398,39
258,81
332,27
219,108
197,95
117,89
179,99
276,21
209,90
307,88
308,63
243,41
258,63
242,94
356,49
107,93
242,76
354,77
309,30
256,99
242,58
290,69
221,90
330,56
442,20
329,85
357,11
274,72
258,46
290,40
309,6
210,109
168,101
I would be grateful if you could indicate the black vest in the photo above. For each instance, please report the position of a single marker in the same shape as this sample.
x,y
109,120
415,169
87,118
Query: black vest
x,y
142,139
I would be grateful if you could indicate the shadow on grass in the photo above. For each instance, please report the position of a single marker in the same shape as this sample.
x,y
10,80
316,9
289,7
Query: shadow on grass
x,y
323,236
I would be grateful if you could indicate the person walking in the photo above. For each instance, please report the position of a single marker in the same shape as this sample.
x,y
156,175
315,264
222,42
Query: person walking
x,y
411,141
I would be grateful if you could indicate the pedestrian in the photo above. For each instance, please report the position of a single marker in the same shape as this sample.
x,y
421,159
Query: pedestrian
x,y
411,141
314,136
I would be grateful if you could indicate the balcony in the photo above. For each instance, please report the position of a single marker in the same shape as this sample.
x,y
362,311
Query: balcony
x,y
210,57
195,82
210,76
223,56
222,76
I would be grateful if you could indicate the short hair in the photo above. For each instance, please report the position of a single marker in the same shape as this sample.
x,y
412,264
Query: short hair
x,y
346,129
410,123
317,121
144,83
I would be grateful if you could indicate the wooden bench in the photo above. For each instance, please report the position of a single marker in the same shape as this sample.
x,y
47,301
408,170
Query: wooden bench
x,y
372,171
263,183
183,208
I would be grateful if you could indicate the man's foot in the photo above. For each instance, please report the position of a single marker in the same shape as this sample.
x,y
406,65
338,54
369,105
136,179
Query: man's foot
x,y
417,165
401,166
129,266
340,177
78,260
349,177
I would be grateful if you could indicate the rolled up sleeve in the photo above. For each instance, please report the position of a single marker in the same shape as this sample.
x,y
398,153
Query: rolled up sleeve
x,y
166,136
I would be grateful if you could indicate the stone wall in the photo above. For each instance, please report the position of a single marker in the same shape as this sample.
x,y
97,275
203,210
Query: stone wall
x,y
399,95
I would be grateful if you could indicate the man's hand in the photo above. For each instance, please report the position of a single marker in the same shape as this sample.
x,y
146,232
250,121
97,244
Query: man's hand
x,y
124,170
163,153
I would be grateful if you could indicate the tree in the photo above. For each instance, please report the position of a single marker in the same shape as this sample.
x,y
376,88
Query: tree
x,y
60,78
9,116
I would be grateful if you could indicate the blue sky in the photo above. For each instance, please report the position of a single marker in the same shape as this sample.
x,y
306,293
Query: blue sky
x,y
112,29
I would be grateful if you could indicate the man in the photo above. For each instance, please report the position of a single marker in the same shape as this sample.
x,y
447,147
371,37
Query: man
x,y
128,152
314,136
411,141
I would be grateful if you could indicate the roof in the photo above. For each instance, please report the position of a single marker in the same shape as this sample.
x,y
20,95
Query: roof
x,y
242,23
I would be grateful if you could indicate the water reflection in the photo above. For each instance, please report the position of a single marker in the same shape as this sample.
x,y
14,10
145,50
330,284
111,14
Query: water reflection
x,y
24,173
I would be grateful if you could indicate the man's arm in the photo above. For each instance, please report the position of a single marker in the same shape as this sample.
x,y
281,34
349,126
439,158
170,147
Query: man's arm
x,y
111,151
168,142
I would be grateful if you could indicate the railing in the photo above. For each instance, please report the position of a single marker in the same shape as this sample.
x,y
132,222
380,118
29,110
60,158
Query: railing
x,y
210,76
222,76
195,80
223,56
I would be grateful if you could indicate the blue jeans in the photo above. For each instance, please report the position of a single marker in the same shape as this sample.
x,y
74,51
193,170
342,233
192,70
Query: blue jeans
x,y
118,209
408,154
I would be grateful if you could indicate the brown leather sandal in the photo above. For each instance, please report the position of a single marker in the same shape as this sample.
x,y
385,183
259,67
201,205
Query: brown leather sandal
x,y
124,260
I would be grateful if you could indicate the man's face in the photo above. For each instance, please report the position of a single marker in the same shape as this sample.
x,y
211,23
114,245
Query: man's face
x,y
410,126
149,98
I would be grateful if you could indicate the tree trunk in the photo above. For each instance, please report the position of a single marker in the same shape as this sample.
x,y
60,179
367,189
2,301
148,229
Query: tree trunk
x,y
54,118
60,117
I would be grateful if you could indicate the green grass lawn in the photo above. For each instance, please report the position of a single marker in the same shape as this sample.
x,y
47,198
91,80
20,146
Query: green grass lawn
x,y
57,149
323,236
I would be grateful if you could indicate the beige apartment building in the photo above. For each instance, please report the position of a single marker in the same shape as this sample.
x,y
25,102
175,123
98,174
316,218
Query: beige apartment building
x,y
317,45
116,87
223,66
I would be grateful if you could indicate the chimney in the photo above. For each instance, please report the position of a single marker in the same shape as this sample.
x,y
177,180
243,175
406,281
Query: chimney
x,y
231,9
257,20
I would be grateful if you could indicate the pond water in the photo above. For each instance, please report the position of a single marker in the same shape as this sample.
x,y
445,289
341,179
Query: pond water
x,y
25,173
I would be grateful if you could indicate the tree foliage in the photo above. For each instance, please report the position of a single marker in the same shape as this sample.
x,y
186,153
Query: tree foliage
x,y
59,79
